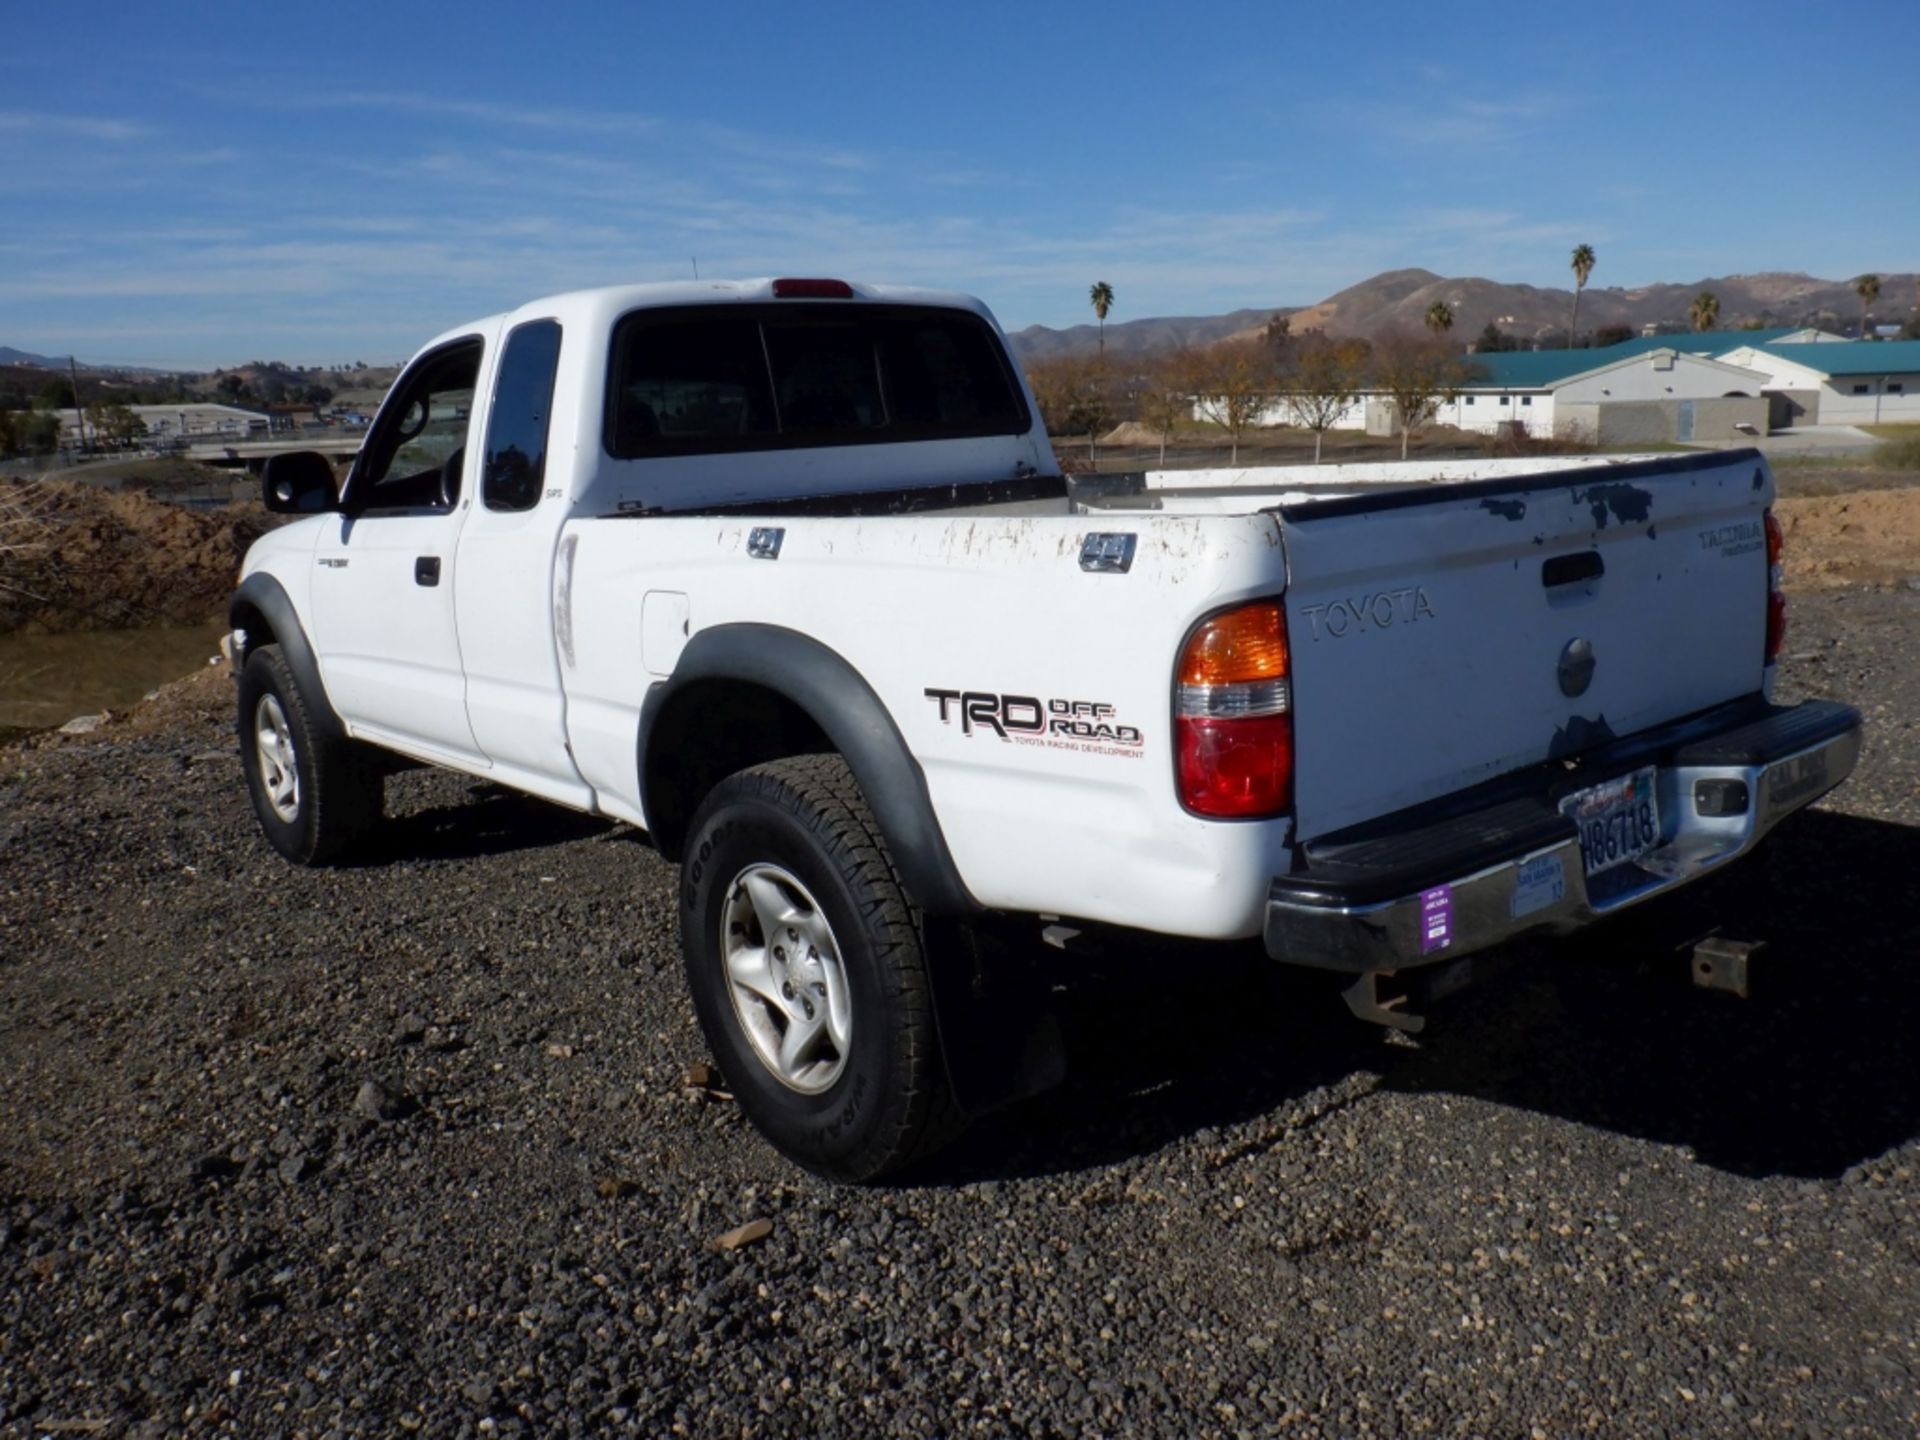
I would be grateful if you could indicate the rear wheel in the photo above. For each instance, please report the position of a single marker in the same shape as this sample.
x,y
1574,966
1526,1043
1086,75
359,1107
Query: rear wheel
x,y
808,970
313,794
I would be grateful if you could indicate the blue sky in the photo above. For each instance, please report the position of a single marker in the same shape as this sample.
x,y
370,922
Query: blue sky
x,y
188,184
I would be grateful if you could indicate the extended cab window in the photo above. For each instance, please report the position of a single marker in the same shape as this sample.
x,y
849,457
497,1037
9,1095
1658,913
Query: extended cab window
x,y
516,463
414,453
789,375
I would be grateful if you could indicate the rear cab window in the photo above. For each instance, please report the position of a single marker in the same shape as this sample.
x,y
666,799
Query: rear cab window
x,y
790,375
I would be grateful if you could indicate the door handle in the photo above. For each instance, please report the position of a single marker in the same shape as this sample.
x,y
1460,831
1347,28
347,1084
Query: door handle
x,y
426,570
1571,569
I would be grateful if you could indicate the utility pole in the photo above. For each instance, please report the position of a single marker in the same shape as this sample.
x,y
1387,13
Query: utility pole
x,y
79,415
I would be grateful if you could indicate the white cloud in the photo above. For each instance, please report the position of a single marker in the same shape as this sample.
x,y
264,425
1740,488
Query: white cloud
x,y
86,127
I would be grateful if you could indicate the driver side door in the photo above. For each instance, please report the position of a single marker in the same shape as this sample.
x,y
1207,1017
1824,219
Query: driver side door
x,y
383,582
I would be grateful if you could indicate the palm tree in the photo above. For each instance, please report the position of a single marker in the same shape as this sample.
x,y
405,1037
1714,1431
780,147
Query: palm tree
x,y
1582,268
1101,296
1867,287
1439,317
1705,310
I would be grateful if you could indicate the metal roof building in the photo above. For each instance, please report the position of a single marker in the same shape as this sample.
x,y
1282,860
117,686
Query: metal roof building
x,y
1856,382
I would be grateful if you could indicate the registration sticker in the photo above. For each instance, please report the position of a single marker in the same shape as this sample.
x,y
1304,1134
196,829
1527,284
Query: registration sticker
x,y
1538,883
1436,919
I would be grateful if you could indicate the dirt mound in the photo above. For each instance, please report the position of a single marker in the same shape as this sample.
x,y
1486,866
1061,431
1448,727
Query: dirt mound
x,y
1130,432
1866,537
78,557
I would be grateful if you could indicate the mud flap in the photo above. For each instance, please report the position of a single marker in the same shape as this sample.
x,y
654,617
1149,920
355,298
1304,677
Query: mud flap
x,y
998,1033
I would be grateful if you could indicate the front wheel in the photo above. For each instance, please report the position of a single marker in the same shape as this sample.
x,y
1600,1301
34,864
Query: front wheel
x,y
313,794
809,972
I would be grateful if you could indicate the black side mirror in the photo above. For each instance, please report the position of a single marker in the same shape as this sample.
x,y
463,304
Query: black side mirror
x,y
299,482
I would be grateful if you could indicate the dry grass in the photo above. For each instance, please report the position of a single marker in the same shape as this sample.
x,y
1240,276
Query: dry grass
x,y
26,532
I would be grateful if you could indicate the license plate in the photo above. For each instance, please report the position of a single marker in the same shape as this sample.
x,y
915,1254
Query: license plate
x,y
1617,821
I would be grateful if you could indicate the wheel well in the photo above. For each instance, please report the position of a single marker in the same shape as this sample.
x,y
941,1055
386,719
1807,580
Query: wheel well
x,y
255,631
705,733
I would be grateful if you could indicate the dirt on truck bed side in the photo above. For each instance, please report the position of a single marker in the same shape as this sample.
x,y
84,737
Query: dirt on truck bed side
x,y
422,1145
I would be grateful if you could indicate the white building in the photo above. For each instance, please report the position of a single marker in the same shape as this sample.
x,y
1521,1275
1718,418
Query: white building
x,y
1586,394
194,420
1852,383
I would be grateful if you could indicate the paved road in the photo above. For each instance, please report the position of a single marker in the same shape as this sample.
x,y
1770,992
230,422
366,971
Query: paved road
x,y
1592,1201
1818,440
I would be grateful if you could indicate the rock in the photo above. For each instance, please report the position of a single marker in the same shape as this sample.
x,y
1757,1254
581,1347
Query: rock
x,y
296,1168
612,1187
701,1076
410,1029
751,1233
214,1166
376,1102
479,1390
84,724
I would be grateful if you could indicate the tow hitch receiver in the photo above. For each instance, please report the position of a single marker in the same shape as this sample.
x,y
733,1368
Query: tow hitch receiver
x,y
1386,997
1364,999
1721,964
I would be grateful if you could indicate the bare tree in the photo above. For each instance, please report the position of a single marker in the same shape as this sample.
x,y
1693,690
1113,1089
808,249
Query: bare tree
x,y
1322,381
1232,383
1416,373
26,533
1164,397
1075,397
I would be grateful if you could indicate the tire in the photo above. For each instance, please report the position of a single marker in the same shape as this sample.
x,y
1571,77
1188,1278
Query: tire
x,y
867,1093
314,794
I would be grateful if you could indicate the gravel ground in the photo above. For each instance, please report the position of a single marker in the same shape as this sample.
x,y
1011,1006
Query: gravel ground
x,y
409,1147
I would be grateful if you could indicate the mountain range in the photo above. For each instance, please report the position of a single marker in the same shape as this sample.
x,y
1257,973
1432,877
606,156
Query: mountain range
x,y
11,356
1399,299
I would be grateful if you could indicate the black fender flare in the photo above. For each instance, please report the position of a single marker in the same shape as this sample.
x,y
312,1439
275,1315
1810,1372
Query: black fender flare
x,y
835,696
263,593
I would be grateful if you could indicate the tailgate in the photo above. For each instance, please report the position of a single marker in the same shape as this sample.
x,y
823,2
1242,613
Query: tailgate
x,y
1443,635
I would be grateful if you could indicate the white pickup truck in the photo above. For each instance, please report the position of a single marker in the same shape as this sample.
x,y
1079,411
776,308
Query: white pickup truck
x,y
785,573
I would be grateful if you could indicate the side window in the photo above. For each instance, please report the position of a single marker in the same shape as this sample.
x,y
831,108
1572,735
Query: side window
x,y
415,451
516,464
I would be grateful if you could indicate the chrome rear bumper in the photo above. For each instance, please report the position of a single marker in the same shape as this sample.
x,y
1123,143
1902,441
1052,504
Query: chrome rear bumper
x,y
1389,901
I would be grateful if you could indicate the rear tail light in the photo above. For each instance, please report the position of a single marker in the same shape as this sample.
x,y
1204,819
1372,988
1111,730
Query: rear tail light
x,y
792,289
1233,715
1776,593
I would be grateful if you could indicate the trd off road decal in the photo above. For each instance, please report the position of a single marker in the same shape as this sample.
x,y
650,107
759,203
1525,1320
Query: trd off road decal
x,y
1084,725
